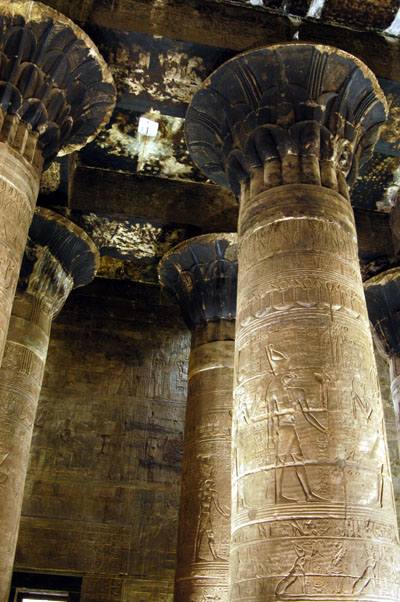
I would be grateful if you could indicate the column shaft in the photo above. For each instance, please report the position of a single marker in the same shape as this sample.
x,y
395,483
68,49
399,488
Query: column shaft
x,y
56,93
313,511
20,383
204,532
19,186
59,256
395,388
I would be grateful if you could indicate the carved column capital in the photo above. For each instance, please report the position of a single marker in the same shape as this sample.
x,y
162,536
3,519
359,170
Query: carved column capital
x,y
59,256
285,114
382,293
56,92
201,275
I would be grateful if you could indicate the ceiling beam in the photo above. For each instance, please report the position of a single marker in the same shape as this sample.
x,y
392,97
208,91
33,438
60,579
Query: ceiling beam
x,y
204,206
237,27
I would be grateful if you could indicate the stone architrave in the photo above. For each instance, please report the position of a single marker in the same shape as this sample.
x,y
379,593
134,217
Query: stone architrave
x,y
201,275
56,93
59,256
382,293
285,127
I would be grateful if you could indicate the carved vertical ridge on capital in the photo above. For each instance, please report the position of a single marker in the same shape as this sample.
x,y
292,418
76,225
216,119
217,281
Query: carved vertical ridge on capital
x,y
58,92
285,114
201,275
59,256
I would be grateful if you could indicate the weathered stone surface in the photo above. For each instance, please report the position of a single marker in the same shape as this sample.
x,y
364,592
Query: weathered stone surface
x,y
201,275
382,293
313,509
59,256
107,446
240,26
285,114
57,81
55,92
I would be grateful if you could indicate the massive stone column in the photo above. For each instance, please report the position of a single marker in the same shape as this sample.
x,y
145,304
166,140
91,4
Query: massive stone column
x,y
59,256
55,93
201,274
313,517
382,293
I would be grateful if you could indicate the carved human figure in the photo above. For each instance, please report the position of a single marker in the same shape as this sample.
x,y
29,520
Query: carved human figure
x,y
201,275
284,401
297,572
208,499
285,128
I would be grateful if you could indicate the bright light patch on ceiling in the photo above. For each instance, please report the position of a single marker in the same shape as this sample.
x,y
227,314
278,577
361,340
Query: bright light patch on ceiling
x,y
147,127
394,27
315,9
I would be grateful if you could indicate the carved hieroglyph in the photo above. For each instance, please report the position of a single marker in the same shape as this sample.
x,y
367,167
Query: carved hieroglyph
x,y
56,93
201,275
382,293
58,257
312,500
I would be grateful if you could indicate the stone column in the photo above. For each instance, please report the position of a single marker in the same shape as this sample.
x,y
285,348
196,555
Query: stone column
x,y
382,293
59,256
313,517
200,274
55,93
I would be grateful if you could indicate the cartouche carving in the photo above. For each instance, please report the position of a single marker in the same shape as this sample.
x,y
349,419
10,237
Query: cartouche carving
x,y
313,514
201,275
58,257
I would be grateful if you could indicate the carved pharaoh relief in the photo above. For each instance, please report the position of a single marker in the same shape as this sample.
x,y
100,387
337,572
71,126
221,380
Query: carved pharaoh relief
x,y
53,80
285,114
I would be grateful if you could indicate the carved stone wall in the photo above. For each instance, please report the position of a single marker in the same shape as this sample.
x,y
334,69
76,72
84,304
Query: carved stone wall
x,y
102,490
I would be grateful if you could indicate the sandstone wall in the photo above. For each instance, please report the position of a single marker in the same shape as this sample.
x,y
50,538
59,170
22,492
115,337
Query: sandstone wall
x,y
103,484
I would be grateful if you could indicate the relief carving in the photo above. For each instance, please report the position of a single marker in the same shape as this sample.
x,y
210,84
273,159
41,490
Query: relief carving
x,y
201,275
307,432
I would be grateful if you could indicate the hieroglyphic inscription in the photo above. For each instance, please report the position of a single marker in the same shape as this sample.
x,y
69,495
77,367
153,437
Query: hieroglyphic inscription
x,y
101,589
16,214
105,547
314,513
99,422
204,528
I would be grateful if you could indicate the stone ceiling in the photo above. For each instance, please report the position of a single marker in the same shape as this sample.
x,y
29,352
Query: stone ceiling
x,y
137,196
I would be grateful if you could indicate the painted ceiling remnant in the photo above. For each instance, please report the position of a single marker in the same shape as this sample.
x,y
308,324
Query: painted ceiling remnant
x,y
159,57
128,150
